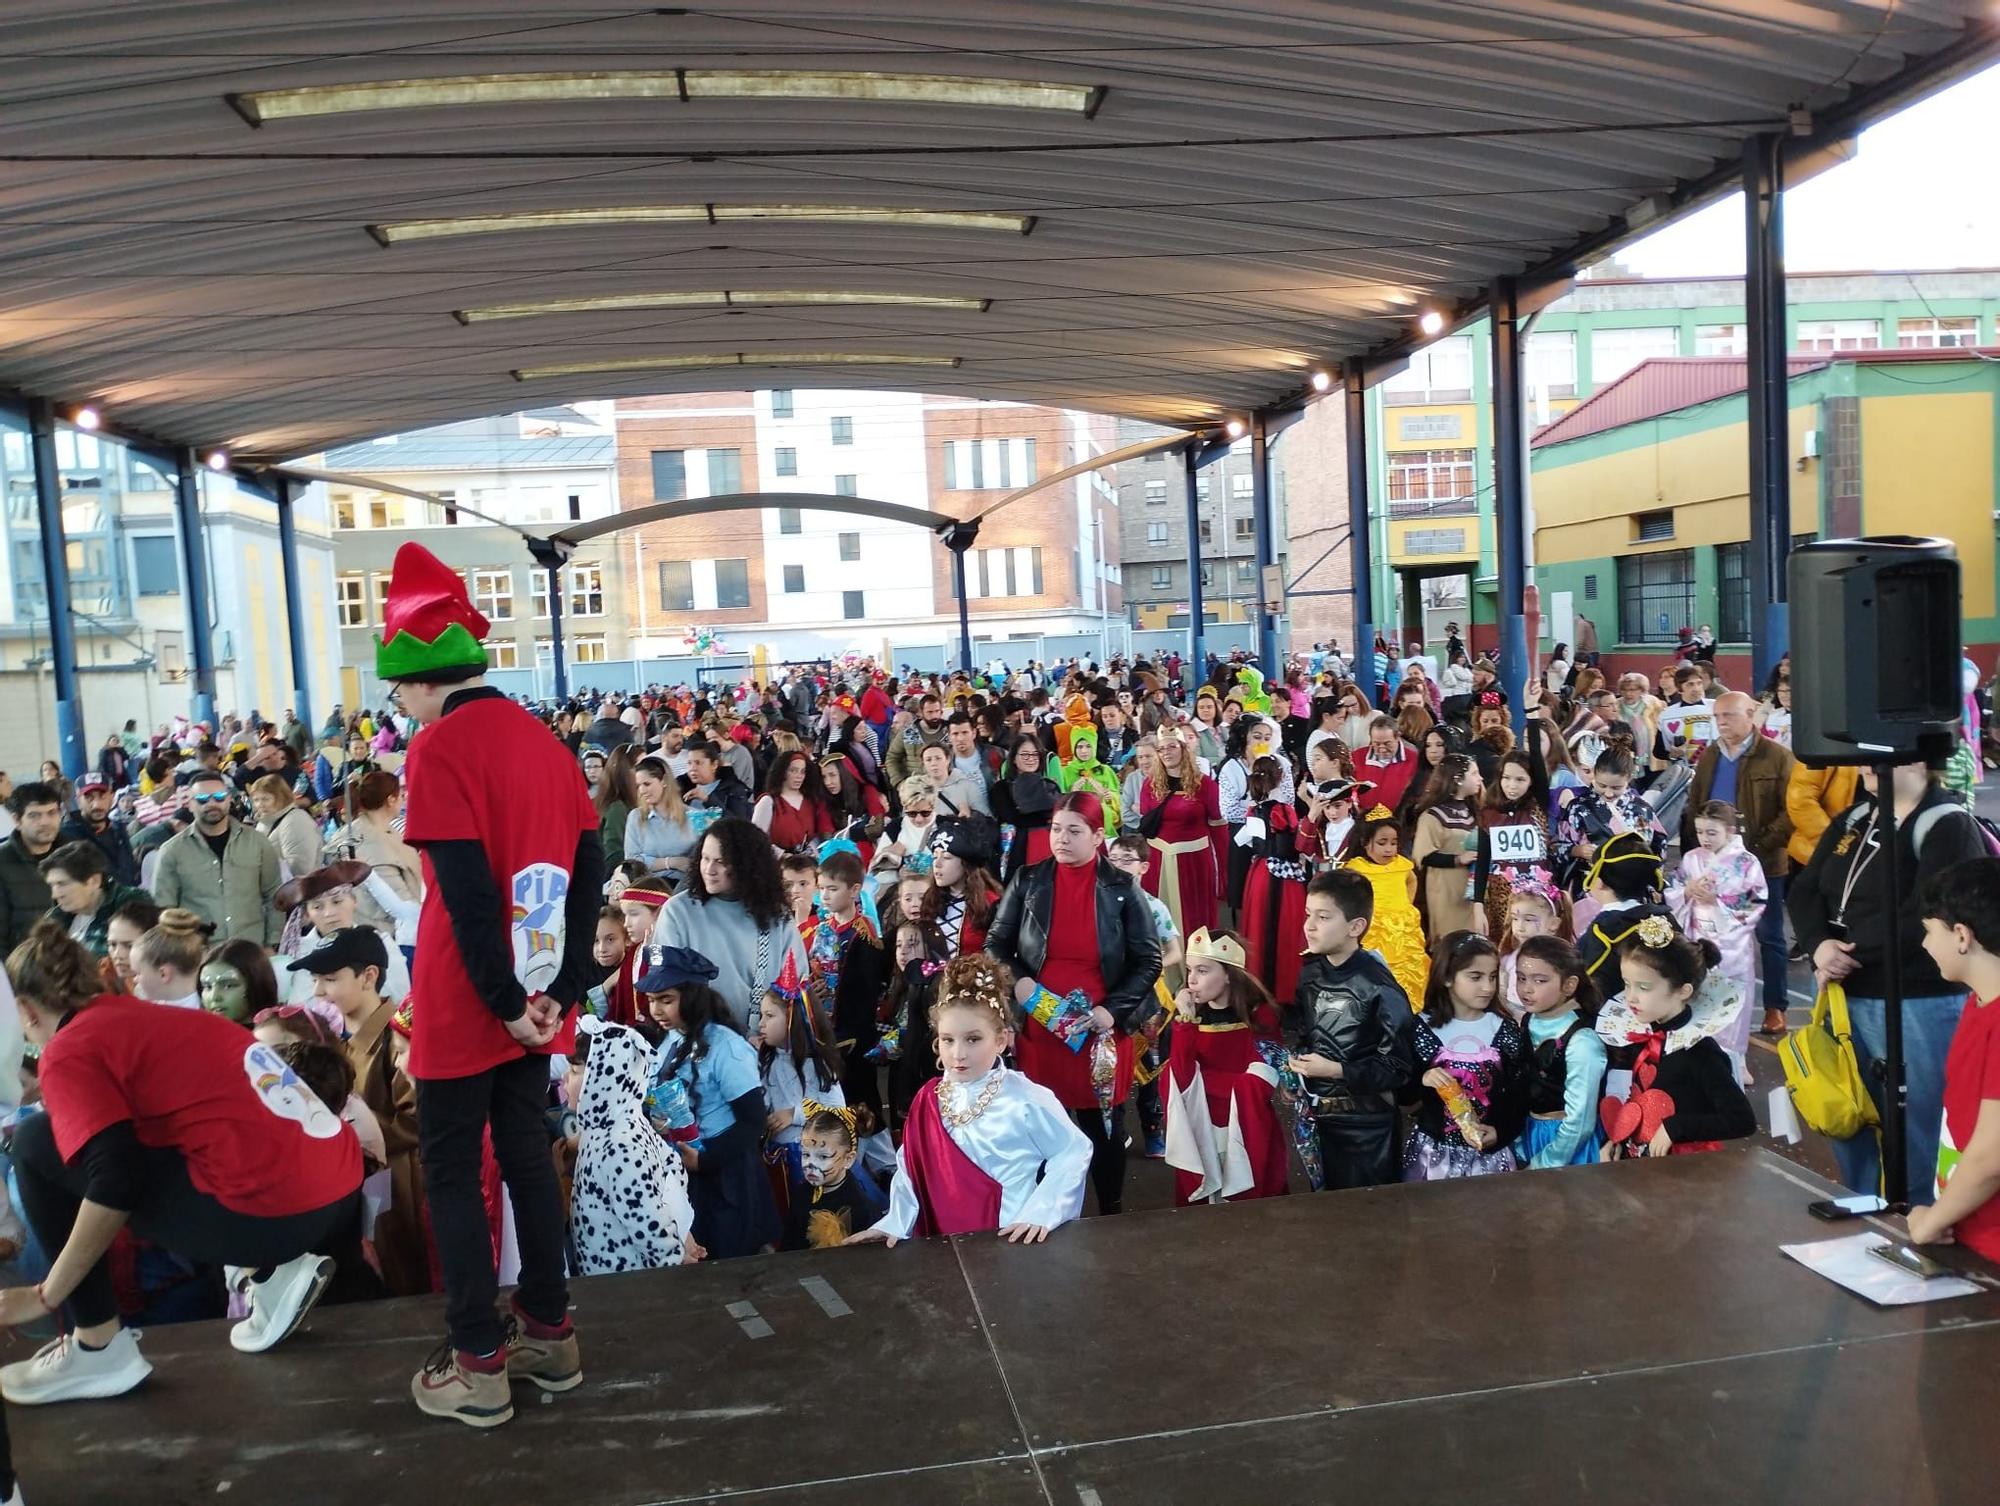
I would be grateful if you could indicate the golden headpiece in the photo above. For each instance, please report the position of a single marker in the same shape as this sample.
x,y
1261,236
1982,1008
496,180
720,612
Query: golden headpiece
x,y
1379,813
1224,949
812,1108
1655,931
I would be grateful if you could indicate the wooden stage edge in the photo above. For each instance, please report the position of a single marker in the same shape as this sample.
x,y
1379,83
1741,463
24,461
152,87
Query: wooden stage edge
x,y
1627,1333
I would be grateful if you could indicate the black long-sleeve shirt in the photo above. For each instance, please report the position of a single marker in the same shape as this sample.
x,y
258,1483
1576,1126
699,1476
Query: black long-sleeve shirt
x,y
1354,1013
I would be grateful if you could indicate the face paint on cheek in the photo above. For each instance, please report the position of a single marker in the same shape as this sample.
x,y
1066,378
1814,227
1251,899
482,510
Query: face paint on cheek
x,y
820,1161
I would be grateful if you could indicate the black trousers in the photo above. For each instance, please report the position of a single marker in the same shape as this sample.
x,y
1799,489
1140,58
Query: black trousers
x,y
171,1212
1107,1156
1360,1150
453,1114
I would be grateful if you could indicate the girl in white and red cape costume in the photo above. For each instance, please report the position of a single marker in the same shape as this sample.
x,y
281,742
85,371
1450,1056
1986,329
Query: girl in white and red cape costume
x,y
1224,1138
983,1147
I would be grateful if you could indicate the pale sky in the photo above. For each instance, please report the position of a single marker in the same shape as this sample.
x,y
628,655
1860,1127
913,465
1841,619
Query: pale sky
x,y
1917,196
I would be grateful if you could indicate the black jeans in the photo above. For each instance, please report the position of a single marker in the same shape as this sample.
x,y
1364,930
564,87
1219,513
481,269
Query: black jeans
x,y
171,1212
452,1117
1107,1156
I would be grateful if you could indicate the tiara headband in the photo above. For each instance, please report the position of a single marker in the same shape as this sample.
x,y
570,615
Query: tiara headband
x,y
1655,931
1224,949
1379,813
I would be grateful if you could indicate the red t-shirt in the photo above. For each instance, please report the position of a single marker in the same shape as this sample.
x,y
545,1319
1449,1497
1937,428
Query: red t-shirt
x,y
254,1137
1971,1075
488,772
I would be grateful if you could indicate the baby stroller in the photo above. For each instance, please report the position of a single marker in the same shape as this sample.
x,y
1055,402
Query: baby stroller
x,y
1668,794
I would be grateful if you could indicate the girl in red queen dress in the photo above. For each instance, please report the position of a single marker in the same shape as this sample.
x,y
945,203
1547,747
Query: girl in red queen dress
x,y
1180,811
1224,1140
984,1148
1274,894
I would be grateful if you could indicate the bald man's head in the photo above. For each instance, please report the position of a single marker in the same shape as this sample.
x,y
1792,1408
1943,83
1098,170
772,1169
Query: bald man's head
x,y
1735,717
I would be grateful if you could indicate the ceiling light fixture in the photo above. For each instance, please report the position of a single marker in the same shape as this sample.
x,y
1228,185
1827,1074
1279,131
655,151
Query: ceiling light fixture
x,y
680,85
1431,321
1235,428
727,358
1321,381
393,232
218,460
88,420
617,302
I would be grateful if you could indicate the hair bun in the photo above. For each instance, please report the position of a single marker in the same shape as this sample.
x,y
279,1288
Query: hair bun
x,y
179,922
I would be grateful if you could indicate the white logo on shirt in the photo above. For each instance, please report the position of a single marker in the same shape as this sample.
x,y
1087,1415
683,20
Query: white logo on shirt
x,y
540,892
281,1091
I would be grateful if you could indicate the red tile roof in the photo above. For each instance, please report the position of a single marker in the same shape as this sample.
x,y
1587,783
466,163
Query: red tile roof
x,y
1655,386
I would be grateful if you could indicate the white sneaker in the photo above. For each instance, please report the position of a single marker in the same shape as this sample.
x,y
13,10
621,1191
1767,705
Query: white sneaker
x,y
278,1304
63,1370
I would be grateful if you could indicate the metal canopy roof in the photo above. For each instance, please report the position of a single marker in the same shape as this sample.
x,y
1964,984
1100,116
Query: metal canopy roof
x,y
1205,203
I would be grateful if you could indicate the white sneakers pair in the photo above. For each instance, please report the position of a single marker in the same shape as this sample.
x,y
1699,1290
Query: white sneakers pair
x,y
66,1370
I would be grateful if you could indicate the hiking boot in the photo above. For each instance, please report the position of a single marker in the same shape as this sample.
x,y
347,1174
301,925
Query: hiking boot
x,y
65,1369
279,1302
471,1389
536,1352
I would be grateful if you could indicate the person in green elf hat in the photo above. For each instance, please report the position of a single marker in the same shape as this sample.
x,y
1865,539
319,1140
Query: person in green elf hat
x,y
513,870
1083,770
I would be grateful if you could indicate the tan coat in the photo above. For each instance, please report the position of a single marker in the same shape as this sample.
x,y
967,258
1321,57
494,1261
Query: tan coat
x,y
399,1233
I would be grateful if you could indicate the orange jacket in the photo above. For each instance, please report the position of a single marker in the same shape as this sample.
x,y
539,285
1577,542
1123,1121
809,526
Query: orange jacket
x,y
1814,797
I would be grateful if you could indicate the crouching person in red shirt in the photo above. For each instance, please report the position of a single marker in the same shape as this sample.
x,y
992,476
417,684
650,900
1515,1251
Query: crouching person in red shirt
x,y
183,1125
513,881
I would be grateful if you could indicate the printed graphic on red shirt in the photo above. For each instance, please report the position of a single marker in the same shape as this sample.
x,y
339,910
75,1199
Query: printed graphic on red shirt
x,y
285,1094
540,891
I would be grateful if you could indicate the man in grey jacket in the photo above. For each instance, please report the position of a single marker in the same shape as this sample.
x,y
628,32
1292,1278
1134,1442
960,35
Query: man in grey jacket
x,y
222,870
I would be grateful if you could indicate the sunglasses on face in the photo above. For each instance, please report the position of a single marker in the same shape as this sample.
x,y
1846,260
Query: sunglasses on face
x,y
219,795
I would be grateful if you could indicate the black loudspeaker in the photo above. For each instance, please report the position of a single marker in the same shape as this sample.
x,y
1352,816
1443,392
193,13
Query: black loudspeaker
x,y
1876,645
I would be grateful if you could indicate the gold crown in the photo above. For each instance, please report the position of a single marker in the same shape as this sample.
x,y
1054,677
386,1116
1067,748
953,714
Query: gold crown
x,y
1379,812
1224,949
1656,931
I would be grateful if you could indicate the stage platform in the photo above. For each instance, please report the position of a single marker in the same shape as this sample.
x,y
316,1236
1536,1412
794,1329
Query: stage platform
x,y
1624,1334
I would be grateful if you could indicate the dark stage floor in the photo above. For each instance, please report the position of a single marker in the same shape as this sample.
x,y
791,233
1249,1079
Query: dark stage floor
x,y
1622,1334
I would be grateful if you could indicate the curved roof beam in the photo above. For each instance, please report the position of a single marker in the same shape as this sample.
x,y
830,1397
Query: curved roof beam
x,y
376,484
695,507
395,232
1111,457
608,303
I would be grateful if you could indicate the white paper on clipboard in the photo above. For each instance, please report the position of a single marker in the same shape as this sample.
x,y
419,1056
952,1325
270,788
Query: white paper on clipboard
x,y
1846,1262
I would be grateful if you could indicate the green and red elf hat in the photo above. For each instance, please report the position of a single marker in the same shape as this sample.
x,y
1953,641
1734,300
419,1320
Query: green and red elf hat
x,y
428,622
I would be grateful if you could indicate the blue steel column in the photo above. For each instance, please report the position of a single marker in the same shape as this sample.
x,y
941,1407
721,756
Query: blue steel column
x,y
1510,498
1769,402
295,608
55,577
958,538
1197,608
551,557
1260,517
194,581
1360,566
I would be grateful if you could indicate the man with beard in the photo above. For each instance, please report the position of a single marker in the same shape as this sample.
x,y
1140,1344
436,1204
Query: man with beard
x,y
224,871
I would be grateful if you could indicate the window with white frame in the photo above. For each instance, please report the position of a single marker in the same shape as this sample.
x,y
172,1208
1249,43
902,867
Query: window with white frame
x,y
585,648
1721,340
842,430
1163,576
1156,535
586,591
1244,528
1613,352
1003,572
1827,335
350,593
343,509
381,582
538,593
1952,332
1440,372
502,653
1551,362
1240,486
1430,475
1156,494
988,464
493,594
787,458
781,402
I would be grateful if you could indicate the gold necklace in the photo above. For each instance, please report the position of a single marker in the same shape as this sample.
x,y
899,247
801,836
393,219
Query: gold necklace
x,y
953,1115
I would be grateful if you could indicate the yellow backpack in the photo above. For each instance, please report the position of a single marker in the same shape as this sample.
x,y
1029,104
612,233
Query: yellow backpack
x,y
1822,1072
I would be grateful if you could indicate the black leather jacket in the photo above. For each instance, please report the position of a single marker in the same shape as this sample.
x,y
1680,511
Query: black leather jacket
x,y
1357,1015
1128,952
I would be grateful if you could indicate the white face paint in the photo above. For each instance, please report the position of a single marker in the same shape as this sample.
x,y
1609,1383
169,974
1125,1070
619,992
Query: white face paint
x,y
823,1160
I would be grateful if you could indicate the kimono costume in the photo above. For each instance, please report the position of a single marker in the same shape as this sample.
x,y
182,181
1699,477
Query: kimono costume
x,y
1188,854
1224,1138
1682,1079
1590,818
1566,1064
1730,922
1273,916
1021,1161
629,1207
1396,934
1489,1058
822,1217
1446,830
733,1211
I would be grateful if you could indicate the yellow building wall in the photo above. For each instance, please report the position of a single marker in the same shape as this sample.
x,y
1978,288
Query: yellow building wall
x,y
1399,530
1927,467
1393,414
1584,510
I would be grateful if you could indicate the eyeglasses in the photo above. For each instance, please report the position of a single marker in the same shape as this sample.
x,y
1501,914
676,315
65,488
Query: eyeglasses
x,y
209,799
